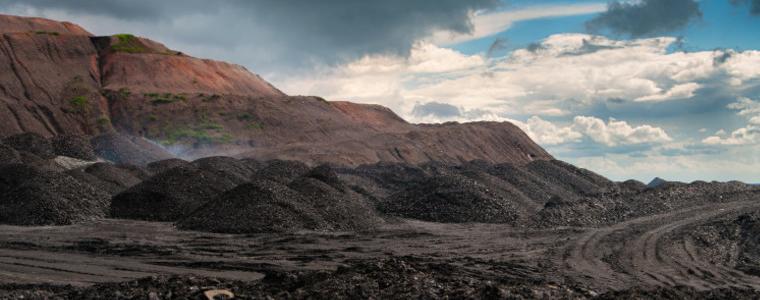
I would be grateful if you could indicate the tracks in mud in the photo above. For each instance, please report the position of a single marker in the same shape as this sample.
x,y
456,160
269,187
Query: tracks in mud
x,y
652,251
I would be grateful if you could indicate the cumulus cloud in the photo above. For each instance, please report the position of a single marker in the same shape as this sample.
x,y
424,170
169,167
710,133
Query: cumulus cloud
x,y
263,33
646,17
748,135
615,133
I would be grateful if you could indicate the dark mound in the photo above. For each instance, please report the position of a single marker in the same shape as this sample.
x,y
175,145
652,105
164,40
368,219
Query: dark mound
x,y
656,182
732,241
136,171
75,146
106,177
161,166
13,175
32,143
451,199
169,196
128,150
282,171
578,181
260,206
341,207
228,167
633,185
50,199
681,292
8,155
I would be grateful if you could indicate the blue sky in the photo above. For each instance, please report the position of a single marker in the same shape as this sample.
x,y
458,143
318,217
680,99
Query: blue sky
x,y
633,89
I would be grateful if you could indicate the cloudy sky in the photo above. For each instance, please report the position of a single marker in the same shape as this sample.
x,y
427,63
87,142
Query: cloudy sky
x,y
630,89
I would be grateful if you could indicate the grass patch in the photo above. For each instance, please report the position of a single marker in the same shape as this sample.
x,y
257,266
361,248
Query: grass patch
x,y
165,98
79,103
128,43
254,126
42,32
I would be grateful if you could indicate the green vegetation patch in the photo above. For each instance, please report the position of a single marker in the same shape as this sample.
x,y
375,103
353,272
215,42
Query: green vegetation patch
x,y
165,98
42,32
79,103
254,126
128,43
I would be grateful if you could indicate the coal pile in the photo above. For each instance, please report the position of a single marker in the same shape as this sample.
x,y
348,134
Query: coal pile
x,y
32,143
73,146
106,177
169,196
451,199
341,207
128,150
227,167
166,164
9,155
282,171
257,207
731,241
34,197
564,175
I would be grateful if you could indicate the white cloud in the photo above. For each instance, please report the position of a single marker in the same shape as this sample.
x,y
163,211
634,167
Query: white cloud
x,y
748,135
485,25
615,133
563,74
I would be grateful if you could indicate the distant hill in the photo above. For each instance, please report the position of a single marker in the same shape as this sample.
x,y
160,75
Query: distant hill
x,y
56,78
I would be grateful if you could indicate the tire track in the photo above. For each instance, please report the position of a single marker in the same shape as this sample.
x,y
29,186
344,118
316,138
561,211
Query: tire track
x,y
644,259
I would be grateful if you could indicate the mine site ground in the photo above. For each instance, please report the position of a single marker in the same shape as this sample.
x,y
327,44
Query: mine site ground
x,y
645,252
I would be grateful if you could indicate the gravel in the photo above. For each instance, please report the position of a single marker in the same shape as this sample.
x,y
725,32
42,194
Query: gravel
x,y
169,196
34,197
75,146
32,143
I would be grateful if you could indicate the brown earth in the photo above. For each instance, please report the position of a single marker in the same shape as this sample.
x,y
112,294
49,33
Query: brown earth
x,y
57,79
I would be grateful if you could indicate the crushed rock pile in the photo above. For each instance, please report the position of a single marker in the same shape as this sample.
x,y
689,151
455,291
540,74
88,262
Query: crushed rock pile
x,y
317,200
74,146
34,144
226,167
169,196
451,199
106,177
8,155
730,241
282,171
29,196
161,166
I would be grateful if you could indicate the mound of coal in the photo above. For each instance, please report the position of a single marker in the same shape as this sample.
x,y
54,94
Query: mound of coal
x,y
378,181
34,197
75,146
228,167
169,196
282,171
259,206
451,199
340,206
128,150
136,171
731,241
560,174
632,185
166,164
106,177
9,155
32,143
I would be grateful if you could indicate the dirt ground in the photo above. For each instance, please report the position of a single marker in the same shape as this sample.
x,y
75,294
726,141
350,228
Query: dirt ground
x,y
647,252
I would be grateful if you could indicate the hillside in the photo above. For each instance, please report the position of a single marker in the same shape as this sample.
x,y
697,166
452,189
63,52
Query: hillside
x,y
58,79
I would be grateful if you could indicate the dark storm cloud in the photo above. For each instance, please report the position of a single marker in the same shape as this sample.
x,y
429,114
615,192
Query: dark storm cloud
x,y
754,5
436,109
646,17
287,31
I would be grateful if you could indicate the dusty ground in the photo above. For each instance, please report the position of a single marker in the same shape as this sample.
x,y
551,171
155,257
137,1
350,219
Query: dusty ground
x,y
644,253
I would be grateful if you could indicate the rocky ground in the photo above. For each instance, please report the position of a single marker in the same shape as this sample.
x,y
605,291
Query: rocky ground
x,y
76,228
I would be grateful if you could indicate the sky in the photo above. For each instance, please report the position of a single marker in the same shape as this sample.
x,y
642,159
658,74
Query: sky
x,y
630,89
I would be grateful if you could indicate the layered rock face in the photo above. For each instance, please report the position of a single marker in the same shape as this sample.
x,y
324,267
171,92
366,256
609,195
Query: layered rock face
x,y
58,79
